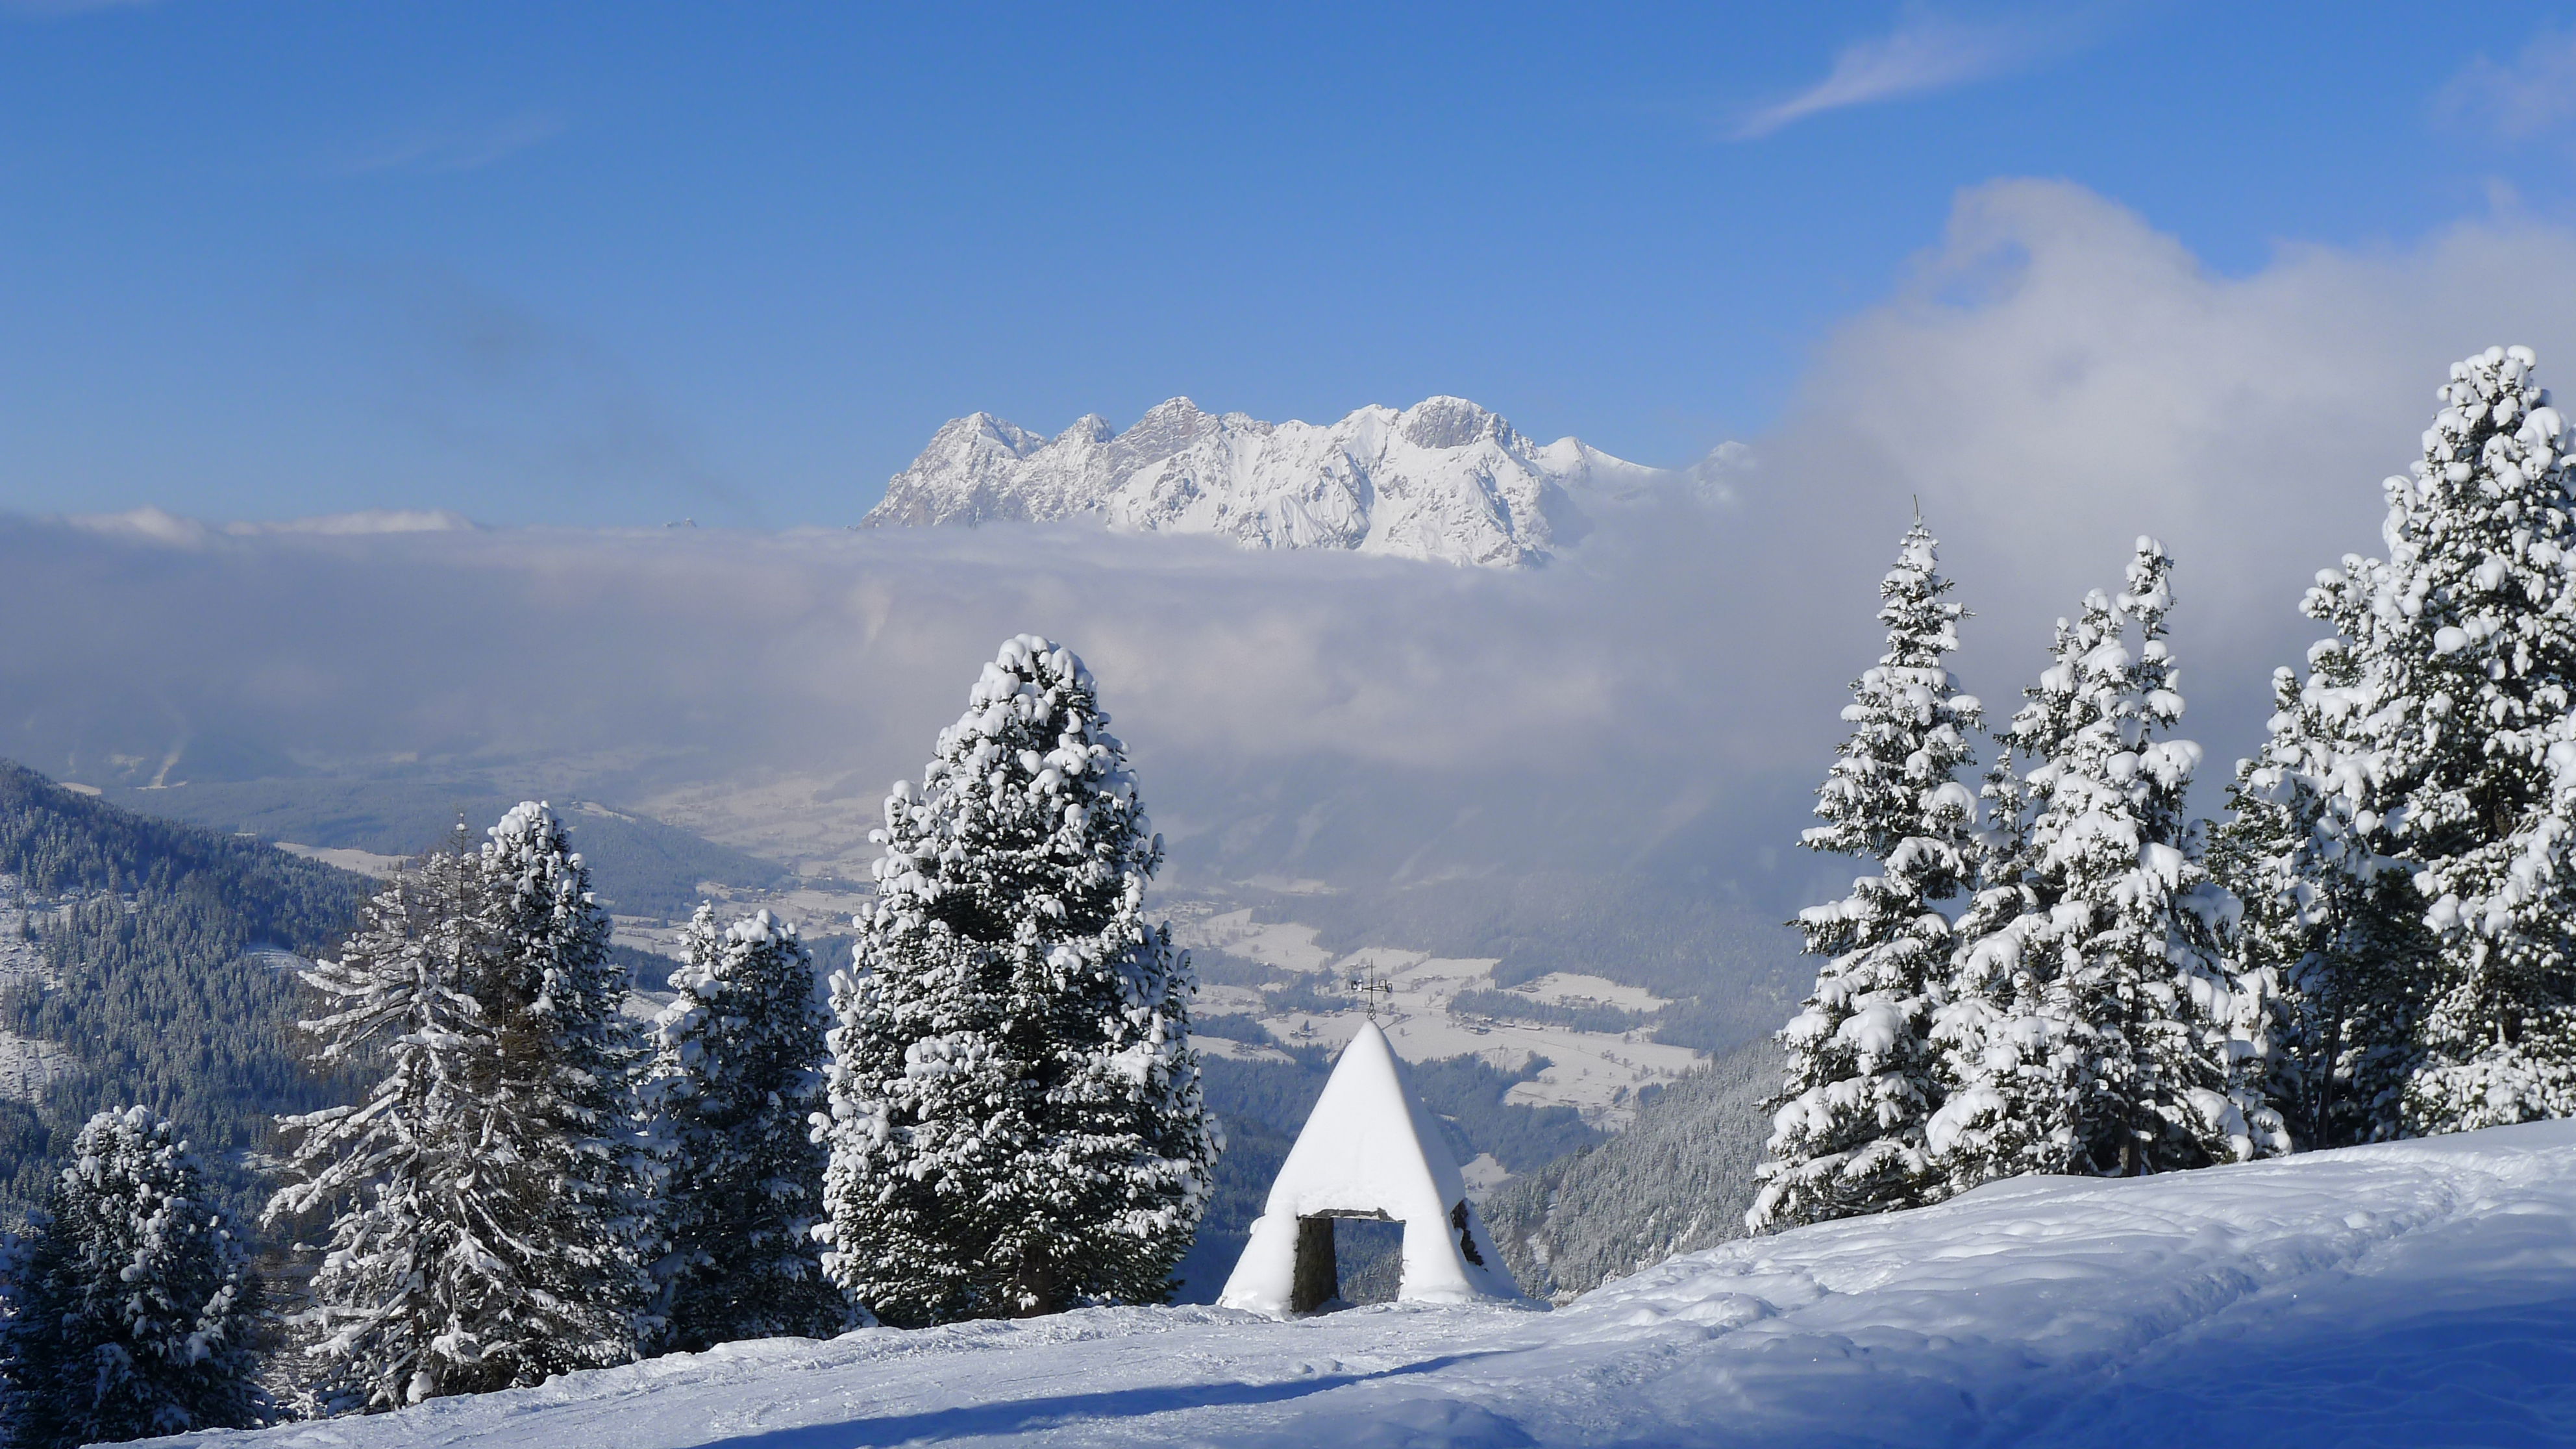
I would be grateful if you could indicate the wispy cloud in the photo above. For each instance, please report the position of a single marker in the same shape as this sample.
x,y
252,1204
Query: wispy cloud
x,y
1925,52
454,147
2536,92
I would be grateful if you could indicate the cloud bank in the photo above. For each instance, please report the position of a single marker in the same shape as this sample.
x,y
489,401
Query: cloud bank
x,y
1257,690
2058,377
2053,378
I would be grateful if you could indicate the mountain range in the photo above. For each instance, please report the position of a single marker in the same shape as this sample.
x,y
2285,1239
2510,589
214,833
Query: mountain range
x,y
1443,480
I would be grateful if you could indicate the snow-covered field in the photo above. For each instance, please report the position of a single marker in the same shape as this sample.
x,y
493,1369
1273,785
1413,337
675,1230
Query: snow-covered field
x,y
1596,1073
819,824
2416,1294
363,862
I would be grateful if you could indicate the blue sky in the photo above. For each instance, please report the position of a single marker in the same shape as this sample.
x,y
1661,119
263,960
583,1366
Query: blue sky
x,y
613,264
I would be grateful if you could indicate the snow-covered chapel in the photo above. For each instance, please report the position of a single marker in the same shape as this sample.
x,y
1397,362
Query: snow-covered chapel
x,y
1368,1150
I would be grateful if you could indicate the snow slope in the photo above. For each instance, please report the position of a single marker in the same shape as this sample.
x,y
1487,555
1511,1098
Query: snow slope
x,y
1443,479
2413,1294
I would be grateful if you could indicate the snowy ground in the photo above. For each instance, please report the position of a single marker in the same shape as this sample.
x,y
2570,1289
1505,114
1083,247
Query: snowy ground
x,y
2417,1294
29,1065
362,862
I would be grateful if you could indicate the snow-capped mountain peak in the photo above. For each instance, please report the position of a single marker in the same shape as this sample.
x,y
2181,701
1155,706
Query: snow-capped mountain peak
x,y
1444,479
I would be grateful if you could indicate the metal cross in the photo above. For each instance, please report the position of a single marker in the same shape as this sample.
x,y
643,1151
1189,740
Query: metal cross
x,y
1372,990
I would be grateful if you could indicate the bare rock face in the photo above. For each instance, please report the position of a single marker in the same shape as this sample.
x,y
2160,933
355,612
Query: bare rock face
x,y
1442,480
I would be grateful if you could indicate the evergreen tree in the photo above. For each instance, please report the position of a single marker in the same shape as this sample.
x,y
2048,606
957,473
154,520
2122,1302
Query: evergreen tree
x,y
136,1311
1847,1129
2098,1022
1016,1122
2408,823
486,1226
736,1076
2339,923
570,1060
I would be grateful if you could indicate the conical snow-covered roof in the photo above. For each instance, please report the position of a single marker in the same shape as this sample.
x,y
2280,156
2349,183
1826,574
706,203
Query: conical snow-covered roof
x,y
1369,1149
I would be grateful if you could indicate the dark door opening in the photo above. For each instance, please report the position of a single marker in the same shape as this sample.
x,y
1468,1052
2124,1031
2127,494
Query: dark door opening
x,y
1352,1258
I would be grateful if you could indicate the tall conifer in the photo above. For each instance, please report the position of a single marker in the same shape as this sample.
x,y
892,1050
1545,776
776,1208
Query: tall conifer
x,y
736,1076
2098,1021
1847,1130
136,1311
1016,1121
2408,828
485,1199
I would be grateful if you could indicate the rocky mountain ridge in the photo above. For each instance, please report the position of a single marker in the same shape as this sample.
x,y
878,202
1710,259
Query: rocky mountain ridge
x,y
1442,480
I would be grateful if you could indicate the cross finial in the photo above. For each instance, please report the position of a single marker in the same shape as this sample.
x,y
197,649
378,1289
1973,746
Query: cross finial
x,y
1371,988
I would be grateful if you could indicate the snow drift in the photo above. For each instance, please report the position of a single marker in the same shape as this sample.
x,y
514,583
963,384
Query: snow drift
x,y
2416,1293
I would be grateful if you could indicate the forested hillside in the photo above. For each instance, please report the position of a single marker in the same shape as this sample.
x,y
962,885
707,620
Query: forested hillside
x,y
1677,1181
147,937
639,866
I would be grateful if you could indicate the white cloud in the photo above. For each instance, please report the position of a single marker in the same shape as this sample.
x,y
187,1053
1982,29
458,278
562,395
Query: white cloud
x,y
154,524
371,520
2058,377
2534,93
1925,52
2053,378
160,526
1395,693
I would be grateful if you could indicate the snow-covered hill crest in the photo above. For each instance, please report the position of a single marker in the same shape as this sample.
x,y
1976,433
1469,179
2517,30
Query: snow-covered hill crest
x,y
1442,480
2411,1293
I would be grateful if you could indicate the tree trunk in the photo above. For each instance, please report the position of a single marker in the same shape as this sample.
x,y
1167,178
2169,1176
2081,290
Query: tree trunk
x,y
1034,1285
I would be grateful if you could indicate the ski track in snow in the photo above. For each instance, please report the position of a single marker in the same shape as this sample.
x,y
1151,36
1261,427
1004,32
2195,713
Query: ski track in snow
x,y
2414,1294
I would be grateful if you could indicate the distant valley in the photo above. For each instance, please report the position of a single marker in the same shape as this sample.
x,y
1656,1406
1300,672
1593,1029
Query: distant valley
x,y
1568,1032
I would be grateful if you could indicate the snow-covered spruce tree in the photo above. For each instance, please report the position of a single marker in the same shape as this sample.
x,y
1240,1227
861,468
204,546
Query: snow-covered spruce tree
x,y
736,1079
1847,1129
2097,1021
1015,1122
137,1313
486,1197
2339,923
2412,813
404,1279
571,1058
